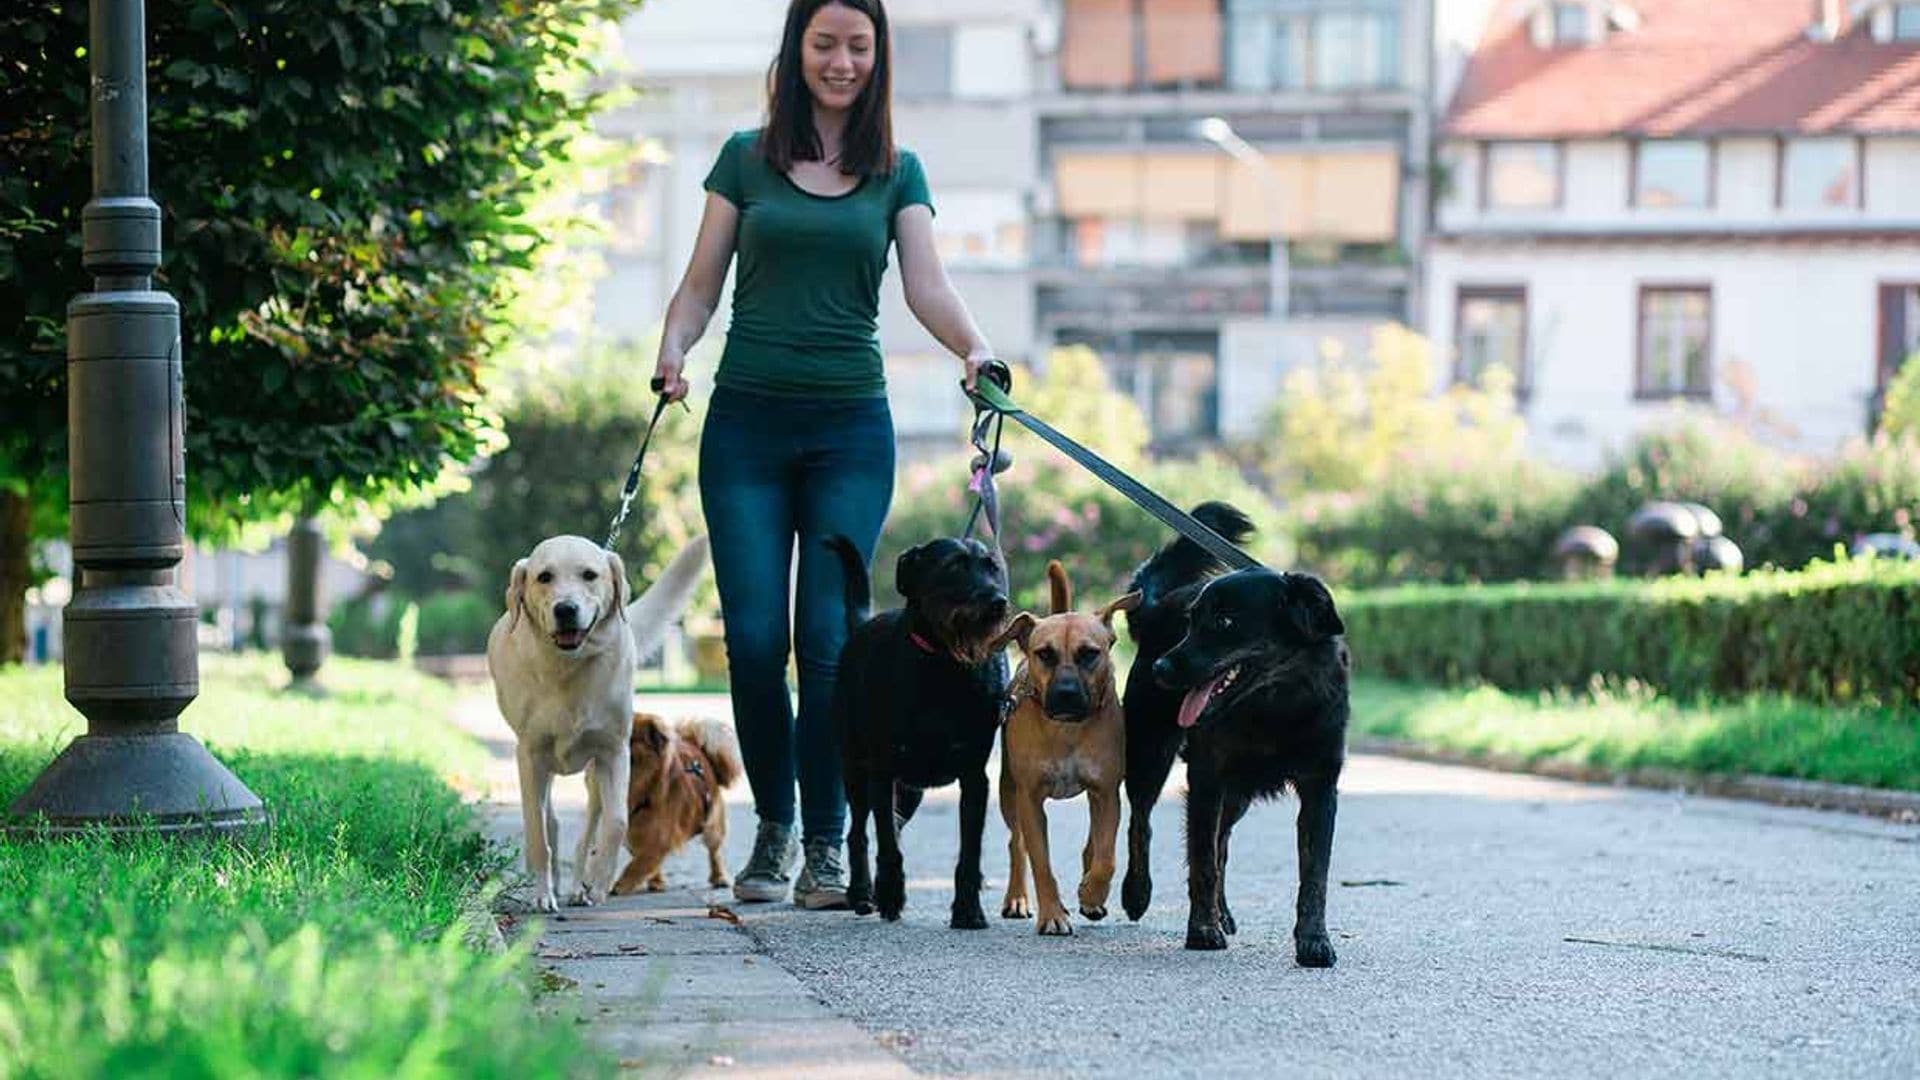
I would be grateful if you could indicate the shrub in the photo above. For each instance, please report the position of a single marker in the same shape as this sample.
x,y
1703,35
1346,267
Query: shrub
x,y
1841,631
456,623
366,627
1452,521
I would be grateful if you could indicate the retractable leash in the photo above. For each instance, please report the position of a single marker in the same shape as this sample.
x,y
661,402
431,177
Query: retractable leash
x,y
993,401
659,386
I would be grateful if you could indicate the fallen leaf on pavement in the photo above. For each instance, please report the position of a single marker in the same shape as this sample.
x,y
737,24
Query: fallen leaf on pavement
x,y
1366,882
723,913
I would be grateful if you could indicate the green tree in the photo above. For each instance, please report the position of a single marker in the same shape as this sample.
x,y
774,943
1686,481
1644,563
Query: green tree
x,y
346,187
1345,426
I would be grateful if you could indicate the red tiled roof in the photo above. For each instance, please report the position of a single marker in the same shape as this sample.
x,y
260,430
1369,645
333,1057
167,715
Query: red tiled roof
x,y
1692,67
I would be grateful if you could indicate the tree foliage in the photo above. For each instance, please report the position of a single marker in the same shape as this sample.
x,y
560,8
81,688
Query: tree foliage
x,y
345,186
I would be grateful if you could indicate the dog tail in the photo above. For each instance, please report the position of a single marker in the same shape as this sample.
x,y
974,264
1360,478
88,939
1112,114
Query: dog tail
x,y
666,599
1184,562
722,746
1062,588
859,587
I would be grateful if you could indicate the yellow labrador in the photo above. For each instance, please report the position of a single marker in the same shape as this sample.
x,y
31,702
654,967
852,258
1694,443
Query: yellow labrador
x,y
562,659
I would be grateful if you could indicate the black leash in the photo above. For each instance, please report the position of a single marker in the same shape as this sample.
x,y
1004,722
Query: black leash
x,y
993,402
633,475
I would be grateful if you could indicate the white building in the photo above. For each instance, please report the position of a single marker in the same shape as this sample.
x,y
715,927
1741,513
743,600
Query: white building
x,y
1711,200
962,81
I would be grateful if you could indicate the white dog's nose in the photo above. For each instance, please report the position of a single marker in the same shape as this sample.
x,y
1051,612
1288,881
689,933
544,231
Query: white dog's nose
x,y
566,615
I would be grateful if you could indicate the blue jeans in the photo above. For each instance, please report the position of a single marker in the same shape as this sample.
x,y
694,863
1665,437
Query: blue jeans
x,y
773,470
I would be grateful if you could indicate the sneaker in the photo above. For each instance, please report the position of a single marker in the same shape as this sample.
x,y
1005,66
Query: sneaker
x,y
769,869
822,885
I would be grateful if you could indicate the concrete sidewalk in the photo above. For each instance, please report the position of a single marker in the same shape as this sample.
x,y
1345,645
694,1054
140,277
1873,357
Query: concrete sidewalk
x,y
672,983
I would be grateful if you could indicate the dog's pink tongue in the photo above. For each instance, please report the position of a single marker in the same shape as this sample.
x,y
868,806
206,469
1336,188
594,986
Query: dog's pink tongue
x,y
1196,700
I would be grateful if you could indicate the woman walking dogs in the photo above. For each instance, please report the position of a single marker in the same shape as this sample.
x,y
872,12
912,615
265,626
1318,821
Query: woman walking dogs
x,y
798,442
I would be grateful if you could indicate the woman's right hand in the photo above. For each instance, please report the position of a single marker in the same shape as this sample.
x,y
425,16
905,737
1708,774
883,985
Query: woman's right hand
x,y
669,375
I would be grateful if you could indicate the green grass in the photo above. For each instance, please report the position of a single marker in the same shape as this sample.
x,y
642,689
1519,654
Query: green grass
x,y
335,946
1629,728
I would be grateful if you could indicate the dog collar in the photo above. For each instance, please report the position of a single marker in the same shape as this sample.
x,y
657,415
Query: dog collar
x,y
921,643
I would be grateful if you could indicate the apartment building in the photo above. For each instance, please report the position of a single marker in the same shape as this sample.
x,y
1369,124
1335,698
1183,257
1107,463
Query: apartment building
x,y
1715,201
1156,225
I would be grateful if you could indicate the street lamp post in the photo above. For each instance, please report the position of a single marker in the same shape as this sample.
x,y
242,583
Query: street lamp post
x,y
132,661
1216,130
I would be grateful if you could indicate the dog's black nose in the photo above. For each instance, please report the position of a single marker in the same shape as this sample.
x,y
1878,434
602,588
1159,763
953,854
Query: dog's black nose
x,y
566,614
1067,702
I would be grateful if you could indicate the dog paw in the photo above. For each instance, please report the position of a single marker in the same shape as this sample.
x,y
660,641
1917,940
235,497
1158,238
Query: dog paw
x,y
1227,923
862,907
585,896
1205,938
891,898
1313,951
657,885
968,918
1055,925
1016,908
544,902
719,881
1136,895
1094,913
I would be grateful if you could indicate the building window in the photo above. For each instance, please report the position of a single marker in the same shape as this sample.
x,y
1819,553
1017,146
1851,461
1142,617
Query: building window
x,y
1572,24
1673,173
1522,175
923,61
1676,342
1906,22
1819,174
1355,50
1490,330
1312,45
1899,329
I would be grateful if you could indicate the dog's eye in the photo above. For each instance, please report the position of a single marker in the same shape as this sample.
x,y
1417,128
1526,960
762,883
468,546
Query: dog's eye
x,y
545,578
591,575
1087,657
1224,622
1047,656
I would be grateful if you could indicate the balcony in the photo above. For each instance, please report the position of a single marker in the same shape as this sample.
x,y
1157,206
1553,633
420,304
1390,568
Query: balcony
x,y
1213,54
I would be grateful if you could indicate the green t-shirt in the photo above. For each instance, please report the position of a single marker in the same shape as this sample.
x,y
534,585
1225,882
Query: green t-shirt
x,y
806,295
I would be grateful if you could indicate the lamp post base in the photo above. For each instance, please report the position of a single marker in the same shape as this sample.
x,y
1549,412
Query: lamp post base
x,y
163,783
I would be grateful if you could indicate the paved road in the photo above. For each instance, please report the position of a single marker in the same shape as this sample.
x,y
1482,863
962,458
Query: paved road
x,y
1487,925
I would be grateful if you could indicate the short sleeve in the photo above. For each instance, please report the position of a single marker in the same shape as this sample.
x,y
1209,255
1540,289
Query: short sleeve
x,y
724,178
910,184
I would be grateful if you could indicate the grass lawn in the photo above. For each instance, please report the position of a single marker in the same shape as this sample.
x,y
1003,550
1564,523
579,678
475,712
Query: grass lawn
x,y
1623,729
335,946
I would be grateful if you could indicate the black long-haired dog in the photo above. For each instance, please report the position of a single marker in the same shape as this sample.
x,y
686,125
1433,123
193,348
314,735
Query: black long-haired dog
x,y
917,705
1262,672
1167,584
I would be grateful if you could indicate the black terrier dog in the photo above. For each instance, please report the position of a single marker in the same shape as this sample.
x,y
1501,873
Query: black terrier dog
x,y
920,697
1263,677
1167,584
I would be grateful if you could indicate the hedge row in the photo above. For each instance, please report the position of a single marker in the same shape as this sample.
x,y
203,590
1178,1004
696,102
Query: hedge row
x,y
1841,631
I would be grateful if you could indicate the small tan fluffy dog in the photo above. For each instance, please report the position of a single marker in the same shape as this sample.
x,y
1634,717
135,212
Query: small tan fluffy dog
x,y
679,773
1066,734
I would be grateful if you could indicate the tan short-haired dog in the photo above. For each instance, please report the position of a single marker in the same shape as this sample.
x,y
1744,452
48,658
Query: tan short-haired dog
x,y
1066,734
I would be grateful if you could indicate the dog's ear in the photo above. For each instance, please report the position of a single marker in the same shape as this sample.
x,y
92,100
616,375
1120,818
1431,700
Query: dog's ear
x,y
516,593
1129,602
910,568
1062,588
1017,630
622,592
1308,608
